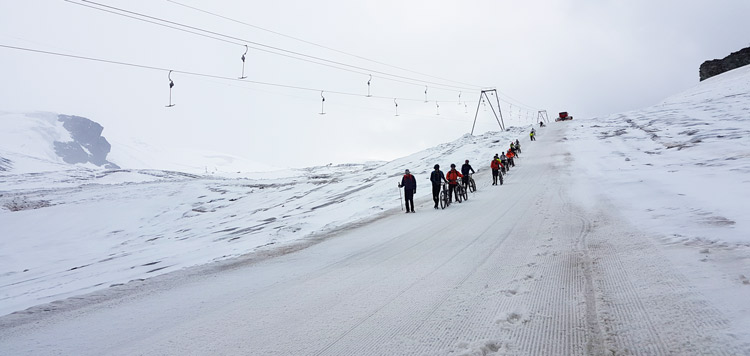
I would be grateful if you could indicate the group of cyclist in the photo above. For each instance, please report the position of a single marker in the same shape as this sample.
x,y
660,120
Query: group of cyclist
x,y
437,178
500,166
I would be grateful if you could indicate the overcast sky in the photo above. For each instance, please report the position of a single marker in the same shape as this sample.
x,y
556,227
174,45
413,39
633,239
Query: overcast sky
x,y
590,58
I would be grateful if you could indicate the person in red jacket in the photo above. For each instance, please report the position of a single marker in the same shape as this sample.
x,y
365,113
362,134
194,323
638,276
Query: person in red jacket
x,y
496,164
452,178
510,156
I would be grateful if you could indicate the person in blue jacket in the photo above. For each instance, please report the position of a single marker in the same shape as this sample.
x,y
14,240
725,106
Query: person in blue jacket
x,y
409,183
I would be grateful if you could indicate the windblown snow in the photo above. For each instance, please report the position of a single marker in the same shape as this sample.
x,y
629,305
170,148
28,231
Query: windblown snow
x,y
667,184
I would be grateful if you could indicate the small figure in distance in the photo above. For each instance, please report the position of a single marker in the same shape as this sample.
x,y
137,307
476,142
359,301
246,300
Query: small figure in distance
x,y
503,164
465,169
513,149
510,156
409,183
452,177
436,177
541,123
532,134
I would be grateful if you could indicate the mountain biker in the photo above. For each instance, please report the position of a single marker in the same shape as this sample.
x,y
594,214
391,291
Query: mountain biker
x,y
541,123
436,177
452,177
495,165
465,169
510,156
503,164
513,149
518,147
410,188
532,134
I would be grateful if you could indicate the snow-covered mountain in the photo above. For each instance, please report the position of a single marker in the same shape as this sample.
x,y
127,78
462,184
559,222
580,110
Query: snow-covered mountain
x,y
43,141
679,167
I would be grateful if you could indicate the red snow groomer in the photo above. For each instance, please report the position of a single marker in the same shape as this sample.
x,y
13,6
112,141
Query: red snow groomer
x,y
564,116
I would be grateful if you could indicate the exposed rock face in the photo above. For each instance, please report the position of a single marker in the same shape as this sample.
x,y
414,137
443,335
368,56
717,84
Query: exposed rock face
x,y
717,66
87,146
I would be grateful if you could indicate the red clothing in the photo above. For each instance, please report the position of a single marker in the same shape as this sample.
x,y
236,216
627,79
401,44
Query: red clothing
x,y
452,176
495,164
510,155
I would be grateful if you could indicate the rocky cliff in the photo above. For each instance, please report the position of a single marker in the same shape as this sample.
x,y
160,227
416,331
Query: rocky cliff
x,y
717,66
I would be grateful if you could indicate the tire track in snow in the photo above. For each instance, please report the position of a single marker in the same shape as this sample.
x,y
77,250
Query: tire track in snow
x,y
648,308
426,308
408,329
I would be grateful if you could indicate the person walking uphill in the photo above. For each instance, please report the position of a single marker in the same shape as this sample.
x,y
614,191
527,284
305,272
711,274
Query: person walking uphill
x,y
495,166
436,177
465,170
452,177
409,183
510,156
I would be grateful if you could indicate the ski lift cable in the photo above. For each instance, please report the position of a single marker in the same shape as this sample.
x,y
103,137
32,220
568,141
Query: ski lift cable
x,y
134,65
253,47
315,44
123,12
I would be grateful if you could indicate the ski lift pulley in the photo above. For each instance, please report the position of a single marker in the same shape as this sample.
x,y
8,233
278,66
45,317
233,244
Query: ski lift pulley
x,y
243,63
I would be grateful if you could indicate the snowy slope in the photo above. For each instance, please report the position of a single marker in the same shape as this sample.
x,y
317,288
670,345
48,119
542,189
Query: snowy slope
x,y
681,167
103,228
678,168
26,142
27,146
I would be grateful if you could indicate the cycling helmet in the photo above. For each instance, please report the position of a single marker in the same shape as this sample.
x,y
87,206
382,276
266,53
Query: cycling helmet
x,y
467,161
453,165
437,166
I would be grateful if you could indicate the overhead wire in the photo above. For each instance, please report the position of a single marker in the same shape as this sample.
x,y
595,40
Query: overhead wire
x,y
316,44
142,66
266,48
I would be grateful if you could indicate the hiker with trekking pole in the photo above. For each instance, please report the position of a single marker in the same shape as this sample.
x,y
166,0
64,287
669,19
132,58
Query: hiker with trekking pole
x,y
409,183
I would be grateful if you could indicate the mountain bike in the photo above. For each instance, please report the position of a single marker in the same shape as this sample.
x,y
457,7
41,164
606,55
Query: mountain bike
x,y
472,185
445,198
463,194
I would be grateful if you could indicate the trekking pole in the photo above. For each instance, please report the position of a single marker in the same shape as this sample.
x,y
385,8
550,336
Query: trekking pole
x,y
400,199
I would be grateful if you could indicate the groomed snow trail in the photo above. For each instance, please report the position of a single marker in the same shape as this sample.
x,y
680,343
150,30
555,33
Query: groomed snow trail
x,y
517,269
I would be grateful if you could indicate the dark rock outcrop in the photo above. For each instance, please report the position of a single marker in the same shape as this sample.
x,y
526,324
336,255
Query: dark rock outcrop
x,y
717,66
87,146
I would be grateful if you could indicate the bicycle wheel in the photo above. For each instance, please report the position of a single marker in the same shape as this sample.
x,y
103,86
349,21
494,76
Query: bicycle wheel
x,y
457,192
472,185
444,199
465,193
501,179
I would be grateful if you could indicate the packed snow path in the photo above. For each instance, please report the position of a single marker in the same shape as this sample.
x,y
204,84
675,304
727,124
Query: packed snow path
x,y
518,269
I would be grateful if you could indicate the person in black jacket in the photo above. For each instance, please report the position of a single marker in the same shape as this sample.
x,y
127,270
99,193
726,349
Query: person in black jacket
x,y
436,178
465,169
409,183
